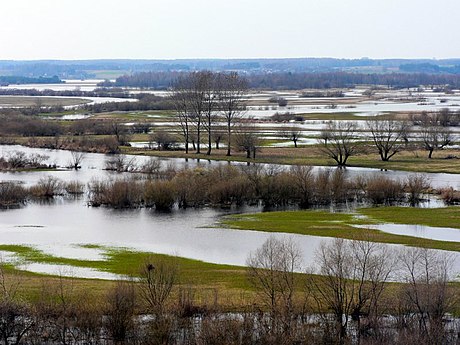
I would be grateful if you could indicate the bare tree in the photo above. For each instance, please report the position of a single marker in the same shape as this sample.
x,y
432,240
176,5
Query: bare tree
x,y
210,90
217,138
271,269
232,88
373,263
426,297
164,140
121,132
352,277
120,309
304,181
338,141
198,101
158,277
15,315
76,159
246,139
434,136
293,135
389,136
181,97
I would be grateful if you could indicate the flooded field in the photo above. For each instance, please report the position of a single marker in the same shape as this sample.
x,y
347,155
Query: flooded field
x,y
63,226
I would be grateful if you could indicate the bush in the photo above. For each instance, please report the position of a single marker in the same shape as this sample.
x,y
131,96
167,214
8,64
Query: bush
x,y
382,190
160,194
47,187
74,187
12,194
117,194
415,185
450,196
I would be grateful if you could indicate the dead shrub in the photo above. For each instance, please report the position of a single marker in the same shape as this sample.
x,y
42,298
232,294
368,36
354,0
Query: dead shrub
x,y
382,190
160,194
47,187
450,196
12,194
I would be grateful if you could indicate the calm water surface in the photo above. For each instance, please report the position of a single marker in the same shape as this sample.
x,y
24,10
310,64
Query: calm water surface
x,y
61,227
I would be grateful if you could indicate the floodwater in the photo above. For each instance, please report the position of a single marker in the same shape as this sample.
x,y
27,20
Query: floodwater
x,y
68,85
93,166
385,101
62,227
421,231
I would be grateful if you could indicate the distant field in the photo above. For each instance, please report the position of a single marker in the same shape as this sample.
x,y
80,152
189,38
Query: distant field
x,y
24,101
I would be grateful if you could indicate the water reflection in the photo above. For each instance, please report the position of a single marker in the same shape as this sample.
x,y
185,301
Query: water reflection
x,y
61,226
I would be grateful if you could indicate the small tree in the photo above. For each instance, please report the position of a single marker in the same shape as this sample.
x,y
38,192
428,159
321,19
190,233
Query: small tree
x,y
76,159
164,140
435,137
247,140
293,135
338,141
119,312
158,277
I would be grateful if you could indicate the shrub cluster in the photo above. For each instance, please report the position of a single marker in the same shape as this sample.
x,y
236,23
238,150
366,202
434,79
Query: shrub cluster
x,y
20,160
225,186
14,194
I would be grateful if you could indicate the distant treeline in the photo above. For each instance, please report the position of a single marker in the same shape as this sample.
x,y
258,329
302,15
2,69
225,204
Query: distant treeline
x,y
292,81
99,92
429,68
146,102
7,80
84,69
154,80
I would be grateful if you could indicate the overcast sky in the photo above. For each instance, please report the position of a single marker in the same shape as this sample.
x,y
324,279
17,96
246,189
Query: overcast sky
x,y
157,29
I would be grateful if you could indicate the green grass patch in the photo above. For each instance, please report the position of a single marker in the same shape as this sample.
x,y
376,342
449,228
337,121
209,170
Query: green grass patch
x,y
448,217
127,262
326,224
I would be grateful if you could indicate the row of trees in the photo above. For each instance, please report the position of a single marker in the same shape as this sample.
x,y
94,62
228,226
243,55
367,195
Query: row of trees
x,y
341,139
299,80
204,98
352,294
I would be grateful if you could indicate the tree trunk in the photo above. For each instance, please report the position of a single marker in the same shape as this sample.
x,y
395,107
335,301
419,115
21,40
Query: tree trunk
x,y
229,141
198,139
430,153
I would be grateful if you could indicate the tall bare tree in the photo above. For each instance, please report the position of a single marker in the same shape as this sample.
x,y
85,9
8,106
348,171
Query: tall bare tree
x,y
232,88
210,106
271,269
426,297
193,97
389,136
181,98
352,279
